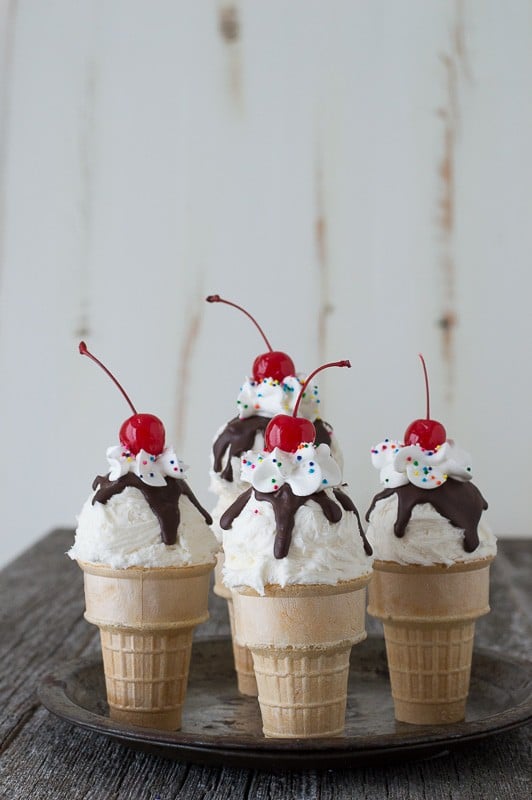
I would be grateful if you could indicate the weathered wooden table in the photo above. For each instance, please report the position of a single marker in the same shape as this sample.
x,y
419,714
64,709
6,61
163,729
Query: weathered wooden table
x,y
41,602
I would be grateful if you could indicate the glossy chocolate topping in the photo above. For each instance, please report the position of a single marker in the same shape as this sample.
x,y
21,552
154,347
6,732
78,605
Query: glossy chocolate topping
x,y
285,505
461,503
163,500
238,436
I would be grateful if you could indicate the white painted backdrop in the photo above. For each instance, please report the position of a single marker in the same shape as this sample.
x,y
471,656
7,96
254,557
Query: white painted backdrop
x,y
357,172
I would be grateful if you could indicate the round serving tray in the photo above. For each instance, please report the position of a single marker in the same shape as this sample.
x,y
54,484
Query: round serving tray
x,y
221,727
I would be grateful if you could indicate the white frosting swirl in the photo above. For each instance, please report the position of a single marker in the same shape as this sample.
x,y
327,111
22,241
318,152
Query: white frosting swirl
x,y
306,471
149,468
269,397
320,551
124,532
429,538
399,464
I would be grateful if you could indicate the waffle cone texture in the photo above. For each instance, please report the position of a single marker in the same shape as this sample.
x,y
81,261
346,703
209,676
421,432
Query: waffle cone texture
x,y
146,619
300,638
243,660
428,614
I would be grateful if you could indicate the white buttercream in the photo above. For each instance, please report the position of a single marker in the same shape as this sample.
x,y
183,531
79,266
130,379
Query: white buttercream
x,y
429,538
320,552
124,532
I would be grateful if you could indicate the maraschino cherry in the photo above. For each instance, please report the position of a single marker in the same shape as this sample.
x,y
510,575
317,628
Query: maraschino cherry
x,y
139,432
274,364
427,433
287,431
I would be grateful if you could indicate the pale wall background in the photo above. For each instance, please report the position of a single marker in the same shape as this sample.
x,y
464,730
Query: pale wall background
x,y
357,172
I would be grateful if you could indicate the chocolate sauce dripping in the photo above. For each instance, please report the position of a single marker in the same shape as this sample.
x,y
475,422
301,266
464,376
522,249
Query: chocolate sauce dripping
x,y
285,505
460,503
348,505
163,500
239,436
323,432
235,509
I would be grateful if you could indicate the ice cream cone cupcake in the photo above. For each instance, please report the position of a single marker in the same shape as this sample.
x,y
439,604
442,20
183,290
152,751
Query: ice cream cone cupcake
x,y
146,619
431,570
300,636
272,389
298,565
146,551
428,615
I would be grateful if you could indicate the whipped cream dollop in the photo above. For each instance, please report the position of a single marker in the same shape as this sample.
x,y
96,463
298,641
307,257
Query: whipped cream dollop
x,y
321,552
269,397
151,469
124,532
307,470
399,464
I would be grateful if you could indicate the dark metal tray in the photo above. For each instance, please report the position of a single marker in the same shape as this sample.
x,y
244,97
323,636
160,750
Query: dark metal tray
x,y
222,727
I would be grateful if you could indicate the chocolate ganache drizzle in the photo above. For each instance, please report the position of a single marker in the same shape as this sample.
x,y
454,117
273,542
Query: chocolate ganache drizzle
x,y
239,436
285,505
461,503
163,500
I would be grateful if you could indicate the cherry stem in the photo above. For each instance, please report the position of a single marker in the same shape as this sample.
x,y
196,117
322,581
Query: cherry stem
x,y
427,393
85,352
306,383
215,298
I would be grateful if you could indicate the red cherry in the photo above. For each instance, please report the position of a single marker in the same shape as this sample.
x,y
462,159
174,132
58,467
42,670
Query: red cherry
x,y
274,364
139,432
143,432
427,433
288,432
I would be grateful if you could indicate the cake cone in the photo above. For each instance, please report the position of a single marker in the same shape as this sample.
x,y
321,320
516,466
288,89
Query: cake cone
x,y
301,637
245,673
146,619
429,614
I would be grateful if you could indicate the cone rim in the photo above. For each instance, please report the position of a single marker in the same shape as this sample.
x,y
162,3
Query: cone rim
x,y
439,568
135,572
306,589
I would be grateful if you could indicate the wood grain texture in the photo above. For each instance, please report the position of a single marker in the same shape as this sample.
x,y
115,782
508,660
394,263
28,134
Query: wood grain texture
x,y
288,156
43,758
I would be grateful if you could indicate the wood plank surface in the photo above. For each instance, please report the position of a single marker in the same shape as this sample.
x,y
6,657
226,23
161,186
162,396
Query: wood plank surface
x,y
357,174
44,758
